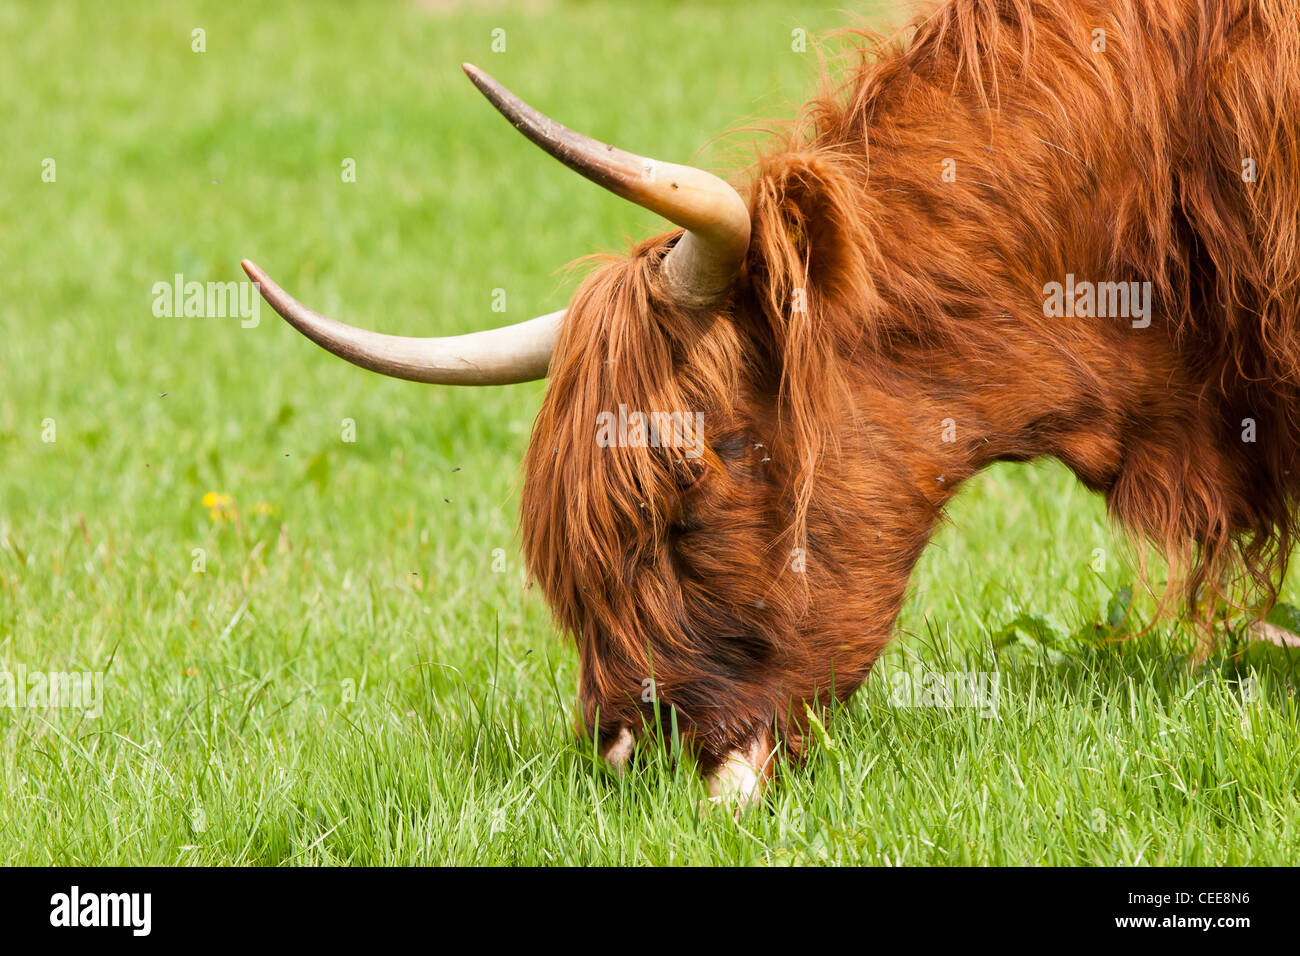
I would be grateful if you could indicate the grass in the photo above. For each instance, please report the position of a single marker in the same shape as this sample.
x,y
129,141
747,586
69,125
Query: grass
x,y
359,673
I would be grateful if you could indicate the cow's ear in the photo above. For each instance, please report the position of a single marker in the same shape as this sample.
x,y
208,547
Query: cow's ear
x,y
811,241
812,293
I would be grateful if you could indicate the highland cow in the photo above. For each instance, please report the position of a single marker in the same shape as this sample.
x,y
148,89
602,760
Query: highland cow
x,y
1062,228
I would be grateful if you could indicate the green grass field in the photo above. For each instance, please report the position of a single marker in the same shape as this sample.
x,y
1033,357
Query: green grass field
x,y
358,673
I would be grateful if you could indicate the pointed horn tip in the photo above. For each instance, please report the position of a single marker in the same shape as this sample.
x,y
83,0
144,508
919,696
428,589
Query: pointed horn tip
x,y
477,77
263,283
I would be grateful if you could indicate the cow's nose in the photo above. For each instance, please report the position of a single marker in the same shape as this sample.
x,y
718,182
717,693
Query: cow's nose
x,y
618,750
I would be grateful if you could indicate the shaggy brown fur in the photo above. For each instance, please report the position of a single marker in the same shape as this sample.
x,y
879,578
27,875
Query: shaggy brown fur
x,y
880,300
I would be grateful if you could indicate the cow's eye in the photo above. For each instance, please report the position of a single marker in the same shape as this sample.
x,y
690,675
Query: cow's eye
x,y
732,448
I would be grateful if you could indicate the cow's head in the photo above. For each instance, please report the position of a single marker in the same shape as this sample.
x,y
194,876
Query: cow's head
x,y
668,509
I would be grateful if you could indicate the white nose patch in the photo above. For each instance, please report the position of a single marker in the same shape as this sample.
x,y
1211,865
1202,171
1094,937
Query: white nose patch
x,y
738,783
620,749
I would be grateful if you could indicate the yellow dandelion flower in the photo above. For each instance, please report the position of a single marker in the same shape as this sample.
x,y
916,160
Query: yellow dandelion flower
x,y
220,505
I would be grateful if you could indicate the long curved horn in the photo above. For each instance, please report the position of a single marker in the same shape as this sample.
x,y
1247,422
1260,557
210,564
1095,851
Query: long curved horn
x,y
513,353
700,268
